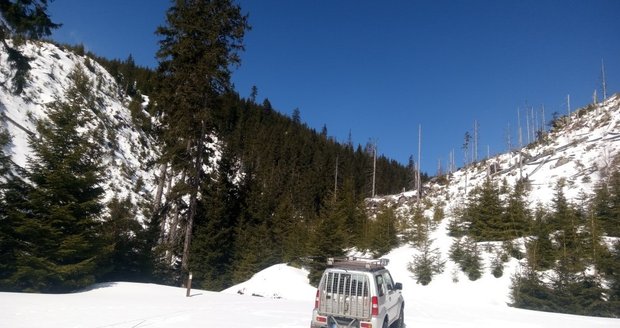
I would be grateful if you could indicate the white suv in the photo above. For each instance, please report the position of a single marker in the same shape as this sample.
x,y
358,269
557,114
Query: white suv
x,y
358,293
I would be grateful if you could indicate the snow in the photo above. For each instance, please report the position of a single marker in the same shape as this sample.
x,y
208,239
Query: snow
x,y
443,303
278,281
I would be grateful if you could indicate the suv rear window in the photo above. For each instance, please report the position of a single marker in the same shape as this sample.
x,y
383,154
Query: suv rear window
x,y
346,283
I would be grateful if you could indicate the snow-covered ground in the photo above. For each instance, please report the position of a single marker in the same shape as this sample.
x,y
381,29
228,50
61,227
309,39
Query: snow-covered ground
x,y
287,302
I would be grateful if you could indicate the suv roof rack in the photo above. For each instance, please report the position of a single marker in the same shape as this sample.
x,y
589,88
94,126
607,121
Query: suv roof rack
x,y
358,263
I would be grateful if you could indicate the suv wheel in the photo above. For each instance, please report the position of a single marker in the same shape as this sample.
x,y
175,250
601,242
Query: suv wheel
x,y
401,318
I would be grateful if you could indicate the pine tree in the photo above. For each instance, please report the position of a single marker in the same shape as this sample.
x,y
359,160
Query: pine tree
x,y
129,246
613,275
418,227
13,209
465,253
328,239
426,264
352,210
607,204
27,18
497,265
612,224
62,228
214,237
484,214
24,19
12,200
383,232
528,291
540,250
570,244
516,216
471,262
200,42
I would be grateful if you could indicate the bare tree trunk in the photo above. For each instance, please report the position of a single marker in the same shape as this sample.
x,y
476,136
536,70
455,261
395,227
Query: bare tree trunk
x,y
174,224
158,196
336,180
568,108
604,80
419,161
193,201
374,168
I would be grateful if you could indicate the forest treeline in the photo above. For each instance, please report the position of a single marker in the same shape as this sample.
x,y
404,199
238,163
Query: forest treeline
x,y
280,192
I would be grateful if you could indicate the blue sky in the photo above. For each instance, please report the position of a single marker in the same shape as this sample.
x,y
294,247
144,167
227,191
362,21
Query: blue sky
x,y
379,69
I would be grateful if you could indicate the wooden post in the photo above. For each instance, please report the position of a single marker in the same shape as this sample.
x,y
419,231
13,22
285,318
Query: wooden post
x,y
189,285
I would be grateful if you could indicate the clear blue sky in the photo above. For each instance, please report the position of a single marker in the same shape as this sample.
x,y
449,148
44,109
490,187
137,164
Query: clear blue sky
x,y
378,69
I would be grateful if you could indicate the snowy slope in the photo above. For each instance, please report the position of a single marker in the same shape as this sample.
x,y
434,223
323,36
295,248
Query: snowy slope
x,y
130,151
579,152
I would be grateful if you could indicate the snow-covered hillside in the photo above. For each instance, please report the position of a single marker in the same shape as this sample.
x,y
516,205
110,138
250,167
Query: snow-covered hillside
x,y
579,152
130,152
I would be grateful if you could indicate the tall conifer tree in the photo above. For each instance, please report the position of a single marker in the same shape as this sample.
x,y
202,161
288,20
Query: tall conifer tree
x,y
200,42
11,196
62,230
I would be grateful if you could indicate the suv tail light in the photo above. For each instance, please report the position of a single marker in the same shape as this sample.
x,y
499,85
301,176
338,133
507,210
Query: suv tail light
x,y
375,306
316,300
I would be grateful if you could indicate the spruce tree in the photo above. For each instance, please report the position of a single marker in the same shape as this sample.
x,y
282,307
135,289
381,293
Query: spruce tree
x,y
484,214
516,218
200,42
13,209
24,19
497,265
465,253
129,254
607,204
383,232
28,18
528,291
427,263
214,237
328,240
540,250
613,276
12,193
418,227
612,224
566,220
471,263
62,229
351,208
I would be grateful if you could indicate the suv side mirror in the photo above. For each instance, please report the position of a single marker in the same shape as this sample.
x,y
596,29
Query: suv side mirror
x,y
398,286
